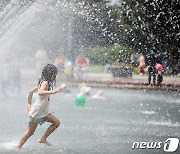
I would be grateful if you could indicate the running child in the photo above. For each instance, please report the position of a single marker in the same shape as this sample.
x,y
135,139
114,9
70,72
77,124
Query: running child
x,y
39,111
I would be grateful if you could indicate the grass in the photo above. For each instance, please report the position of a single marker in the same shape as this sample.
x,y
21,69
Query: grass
x,y
96,69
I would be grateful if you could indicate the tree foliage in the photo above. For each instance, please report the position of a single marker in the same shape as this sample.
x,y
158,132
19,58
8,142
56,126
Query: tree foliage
x,y
136,23
112,54
152,24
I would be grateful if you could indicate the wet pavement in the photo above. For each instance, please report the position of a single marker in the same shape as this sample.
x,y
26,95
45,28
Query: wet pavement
x,y
127,115
108,126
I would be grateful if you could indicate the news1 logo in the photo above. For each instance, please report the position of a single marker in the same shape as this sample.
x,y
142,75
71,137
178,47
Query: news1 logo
x,y
170,145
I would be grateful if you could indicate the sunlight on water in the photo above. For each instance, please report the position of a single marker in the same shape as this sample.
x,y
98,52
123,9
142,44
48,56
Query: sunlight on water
x,y
164,123
148,112
9,145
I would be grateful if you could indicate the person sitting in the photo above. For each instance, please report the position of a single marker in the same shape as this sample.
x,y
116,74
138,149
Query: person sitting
x,y
99,95
84,90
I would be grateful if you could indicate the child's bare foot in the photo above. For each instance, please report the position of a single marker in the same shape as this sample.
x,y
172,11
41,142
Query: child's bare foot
x,y
45,142
18,147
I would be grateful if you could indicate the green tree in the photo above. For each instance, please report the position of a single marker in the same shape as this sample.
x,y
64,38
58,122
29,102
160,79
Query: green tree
x,y
152,24
112,54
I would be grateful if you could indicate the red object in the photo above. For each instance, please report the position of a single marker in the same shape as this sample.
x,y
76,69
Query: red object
x,y
159,67
60,60
141,70
81,61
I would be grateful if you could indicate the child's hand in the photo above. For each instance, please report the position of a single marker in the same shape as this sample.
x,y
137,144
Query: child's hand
x,y
57,90
28,108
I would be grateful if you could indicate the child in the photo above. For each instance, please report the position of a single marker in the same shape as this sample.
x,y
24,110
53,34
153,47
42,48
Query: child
x,y
84,90
99,95
39,111
159,69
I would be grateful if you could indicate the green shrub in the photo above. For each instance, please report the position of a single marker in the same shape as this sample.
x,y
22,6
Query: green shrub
x,y
110,54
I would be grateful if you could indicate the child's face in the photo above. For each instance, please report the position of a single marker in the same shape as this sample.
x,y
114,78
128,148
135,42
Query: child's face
x,y
53,76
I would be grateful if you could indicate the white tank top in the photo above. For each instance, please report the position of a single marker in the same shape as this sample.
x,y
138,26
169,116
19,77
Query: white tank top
x,y
40,108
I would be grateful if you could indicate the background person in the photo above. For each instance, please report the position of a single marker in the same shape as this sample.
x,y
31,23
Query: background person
x,y
82,63
159,69
151,61
142,64
99,95
60,64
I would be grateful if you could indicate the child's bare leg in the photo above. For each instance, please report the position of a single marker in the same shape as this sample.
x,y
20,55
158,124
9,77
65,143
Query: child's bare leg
x,y
27,134
55,123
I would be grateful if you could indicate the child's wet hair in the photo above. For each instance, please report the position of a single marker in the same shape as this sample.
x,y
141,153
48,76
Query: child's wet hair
x,y
47,73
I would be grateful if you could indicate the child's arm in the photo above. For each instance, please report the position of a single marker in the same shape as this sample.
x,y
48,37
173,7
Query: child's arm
x,y
42,90
30,94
